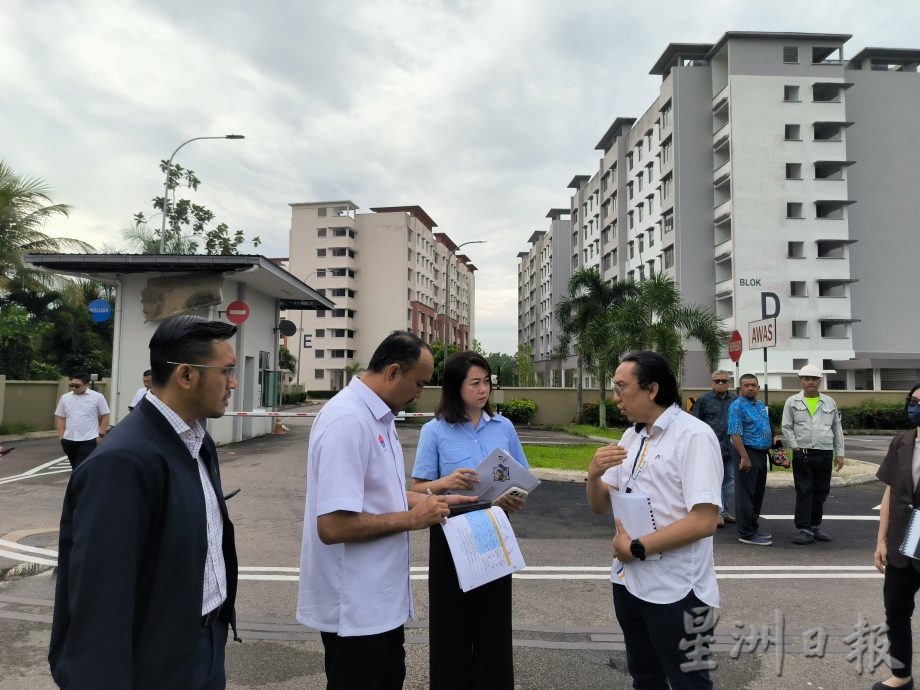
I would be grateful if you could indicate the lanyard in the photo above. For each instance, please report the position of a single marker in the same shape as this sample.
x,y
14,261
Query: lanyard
x,y
634,475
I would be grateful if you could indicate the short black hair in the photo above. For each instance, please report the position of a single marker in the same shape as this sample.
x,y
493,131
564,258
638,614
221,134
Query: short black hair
x,y
184,339
650,367
910,394
82,375
749,376
457,366
400,347
148,373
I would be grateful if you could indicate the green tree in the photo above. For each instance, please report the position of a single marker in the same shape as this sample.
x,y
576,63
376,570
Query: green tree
x,y
523,359
285,359
587,317
18,347
655,318
502,366
477,348
182,217
437,349
25,208
352,370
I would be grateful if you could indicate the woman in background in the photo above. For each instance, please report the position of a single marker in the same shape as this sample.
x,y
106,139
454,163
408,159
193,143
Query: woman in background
x,y
900,470
470,632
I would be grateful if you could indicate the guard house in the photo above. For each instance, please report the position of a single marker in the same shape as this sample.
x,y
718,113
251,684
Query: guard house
x,y
150,288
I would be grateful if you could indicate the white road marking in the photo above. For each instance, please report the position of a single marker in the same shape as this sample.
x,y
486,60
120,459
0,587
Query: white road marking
x,y
40,471
25,547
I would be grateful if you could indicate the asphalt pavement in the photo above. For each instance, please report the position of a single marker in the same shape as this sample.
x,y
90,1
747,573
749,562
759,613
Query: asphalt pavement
x,y
565,631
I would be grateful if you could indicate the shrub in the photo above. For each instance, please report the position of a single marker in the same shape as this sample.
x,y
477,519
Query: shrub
x,y
518,411
869,415
321,395
292,398
590,413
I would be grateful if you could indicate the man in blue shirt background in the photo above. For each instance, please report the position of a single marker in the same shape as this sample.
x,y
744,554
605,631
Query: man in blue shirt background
x,y
752,436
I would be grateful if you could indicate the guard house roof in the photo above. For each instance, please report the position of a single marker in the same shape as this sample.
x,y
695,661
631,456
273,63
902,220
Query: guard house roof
x,y
578,181
262,273
557,213
613,132
886,56
414,211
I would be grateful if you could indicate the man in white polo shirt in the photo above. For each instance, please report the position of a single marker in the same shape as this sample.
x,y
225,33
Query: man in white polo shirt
x,y
354,564
663,578
81,419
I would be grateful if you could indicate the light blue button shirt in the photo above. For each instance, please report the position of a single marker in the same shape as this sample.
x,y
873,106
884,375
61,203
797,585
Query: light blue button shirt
x,y
444,447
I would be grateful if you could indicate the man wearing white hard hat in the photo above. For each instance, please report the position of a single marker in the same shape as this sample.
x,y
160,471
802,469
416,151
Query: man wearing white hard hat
x,y
811,427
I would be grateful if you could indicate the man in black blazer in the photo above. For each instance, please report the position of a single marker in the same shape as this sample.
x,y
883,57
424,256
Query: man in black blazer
x,y
147,570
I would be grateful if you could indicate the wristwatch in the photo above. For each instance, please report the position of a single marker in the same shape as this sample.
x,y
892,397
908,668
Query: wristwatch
x,y
637,549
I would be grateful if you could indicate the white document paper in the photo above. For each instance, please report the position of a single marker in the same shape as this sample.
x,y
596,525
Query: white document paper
x,y
498,472
634,510
483,547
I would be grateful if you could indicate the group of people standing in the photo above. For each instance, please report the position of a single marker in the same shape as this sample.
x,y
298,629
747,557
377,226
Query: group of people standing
x,y
810,429
147,574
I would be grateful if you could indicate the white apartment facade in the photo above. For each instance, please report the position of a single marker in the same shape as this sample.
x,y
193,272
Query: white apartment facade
x,y
385,270
771,177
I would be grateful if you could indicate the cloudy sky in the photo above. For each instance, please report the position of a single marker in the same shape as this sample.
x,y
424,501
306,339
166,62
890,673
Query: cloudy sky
x,y
478,111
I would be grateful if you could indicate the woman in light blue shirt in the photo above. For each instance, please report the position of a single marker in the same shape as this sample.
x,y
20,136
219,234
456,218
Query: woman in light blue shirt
x,y
470,632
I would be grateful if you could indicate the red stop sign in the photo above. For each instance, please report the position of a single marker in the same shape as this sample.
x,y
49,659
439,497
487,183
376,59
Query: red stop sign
x,y
238,312
735,347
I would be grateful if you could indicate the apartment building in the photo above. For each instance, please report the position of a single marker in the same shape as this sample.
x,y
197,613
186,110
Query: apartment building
x,y
543,276
384,270
770,177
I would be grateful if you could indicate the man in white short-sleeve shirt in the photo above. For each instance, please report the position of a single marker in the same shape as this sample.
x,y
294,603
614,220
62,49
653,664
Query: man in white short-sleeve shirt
x,y
354,564
142,391
673,460
81,419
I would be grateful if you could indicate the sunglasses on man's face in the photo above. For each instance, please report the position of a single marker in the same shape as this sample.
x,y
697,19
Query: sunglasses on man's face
x,y
76,385
720,380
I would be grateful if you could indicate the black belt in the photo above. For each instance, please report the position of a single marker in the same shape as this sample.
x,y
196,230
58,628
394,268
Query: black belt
x,y
209,618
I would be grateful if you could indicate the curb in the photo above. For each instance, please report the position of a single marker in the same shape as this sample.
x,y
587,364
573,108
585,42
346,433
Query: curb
x,y
28,435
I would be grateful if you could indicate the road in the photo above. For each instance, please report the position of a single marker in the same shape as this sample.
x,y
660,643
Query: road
x,y
565,631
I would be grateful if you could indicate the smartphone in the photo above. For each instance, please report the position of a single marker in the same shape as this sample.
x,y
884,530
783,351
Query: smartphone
x,y
515,492
460,508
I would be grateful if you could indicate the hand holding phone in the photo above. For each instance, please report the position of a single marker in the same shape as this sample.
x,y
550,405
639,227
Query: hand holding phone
x,y
514,492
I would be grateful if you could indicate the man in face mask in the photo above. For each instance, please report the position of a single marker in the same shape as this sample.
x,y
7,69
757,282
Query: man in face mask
x,y
811,427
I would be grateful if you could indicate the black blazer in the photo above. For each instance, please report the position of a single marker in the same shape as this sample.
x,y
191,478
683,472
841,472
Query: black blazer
x,y
897,473
133,546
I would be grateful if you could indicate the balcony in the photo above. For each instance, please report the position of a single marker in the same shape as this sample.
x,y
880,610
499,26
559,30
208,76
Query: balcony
x,y
720,137
722,212
723,251
724,171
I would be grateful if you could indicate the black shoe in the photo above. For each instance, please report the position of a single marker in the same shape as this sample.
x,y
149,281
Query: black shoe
x,y
881,686
803,537
821,536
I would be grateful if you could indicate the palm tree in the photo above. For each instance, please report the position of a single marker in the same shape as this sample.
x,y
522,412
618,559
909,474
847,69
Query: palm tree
x,y
588,320
655,318
25,207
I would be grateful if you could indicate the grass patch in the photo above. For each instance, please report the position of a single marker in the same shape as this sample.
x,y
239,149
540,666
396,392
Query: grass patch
x,y
13,428
588,430
561,457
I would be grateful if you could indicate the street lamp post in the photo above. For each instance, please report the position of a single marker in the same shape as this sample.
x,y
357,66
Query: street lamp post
x,y
166,187
447,288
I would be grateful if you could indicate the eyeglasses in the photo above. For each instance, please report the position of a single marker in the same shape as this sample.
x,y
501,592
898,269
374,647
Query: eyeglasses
x,y
75,385
720,380
618,388
913,402
228,372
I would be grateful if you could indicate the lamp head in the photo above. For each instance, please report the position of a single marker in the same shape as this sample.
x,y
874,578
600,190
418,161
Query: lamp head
x,y
234,136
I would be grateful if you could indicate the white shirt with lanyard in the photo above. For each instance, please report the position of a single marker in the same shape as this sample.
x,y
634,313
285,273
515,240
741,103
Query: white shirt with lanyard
x,y
677,464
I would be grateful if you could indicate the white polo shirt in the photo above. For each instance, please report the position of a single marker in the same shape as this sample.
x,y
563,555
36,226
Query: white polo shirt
x,y
355,463
82,413
682,468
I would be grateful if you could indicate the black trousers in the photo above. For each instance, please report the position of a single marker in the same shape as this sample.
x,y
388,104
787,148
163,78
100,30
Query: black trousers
x,y
365,662
77,451
811,471
749,491
901,585
653,634
470,632
209,671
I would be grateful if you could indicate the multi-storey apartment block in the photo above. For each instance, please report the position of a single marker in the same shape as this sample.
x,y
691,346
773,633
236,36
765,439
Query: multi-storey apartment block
x,y
771,177
384,270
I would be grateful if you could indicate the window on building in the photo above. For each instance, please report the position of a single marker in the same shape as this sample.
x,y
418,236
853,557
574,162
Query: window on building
x,y
320,354
321,251
793,133
320,232
639,180
667,223
666,184
629,220
666,115
797,288
793,171
629,161
669,257
639,151
321,212
666,150
320,333
794,210
320,313
641,208
318,374
607,259
320,273
651,237
790,54
791,93
632,249
796,250
641,244
629,191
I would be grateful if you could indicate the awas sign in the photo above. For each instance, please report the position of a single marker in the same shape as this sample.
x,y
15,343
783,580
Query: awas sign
x,y
762,334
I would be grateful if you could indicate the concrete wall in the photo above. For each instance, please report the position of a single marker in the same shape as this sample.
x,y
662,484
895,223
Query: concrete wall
x,y
557,405
33,402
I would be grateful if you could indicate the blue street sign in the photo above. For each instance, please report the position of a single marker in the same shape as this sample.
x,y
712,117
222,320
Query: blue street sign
x,y
100,310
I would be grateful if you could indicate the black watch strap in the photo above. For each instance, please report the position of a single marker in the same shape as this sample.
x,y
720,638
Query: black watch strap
x,y
637,548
